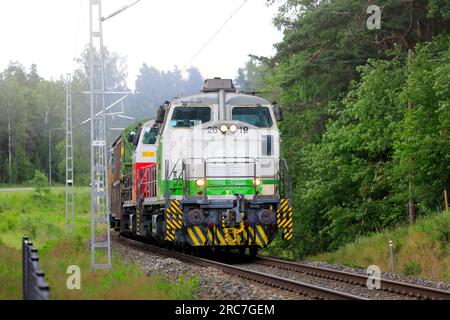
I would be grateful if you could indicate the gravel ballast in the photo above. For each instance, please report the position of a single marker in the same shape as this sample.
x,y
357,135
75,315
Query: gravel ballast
x,y
213,284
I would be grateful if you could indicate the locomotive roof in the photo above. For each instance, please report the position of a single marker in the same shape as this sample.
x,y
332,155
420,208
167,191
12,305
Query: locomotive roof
x,y
230,98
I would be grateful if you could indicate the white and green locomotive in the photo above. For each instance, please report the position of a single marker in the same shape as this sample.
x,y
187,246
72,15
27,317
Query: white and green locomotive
x,y
206,172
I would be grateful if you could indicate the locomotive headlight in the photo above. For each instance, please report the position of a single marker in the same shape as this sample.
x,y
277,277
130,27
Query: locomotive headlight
x,y
223,128
200,182
233,128
256,182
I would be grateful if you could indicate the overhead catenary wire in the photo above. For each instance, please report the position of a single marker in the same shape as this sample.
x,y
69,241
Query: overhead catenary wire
x,y
120,10
215,34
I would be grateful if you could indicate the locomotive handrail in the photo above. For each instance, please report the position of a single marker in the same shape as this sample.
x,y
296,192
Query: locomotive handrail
x,y
222,158
168,175
127,190
281,174
149,174
287,179
205,175
234,160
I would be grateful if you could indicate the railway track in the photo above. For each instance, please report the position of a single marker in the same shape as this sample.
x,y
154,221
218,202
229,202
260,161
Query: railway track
x,y
300,287
297,287
402,288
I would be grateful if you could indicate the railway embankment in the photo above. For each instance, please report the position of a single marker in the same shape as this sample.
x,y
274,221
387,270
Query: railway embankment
x,y
421,253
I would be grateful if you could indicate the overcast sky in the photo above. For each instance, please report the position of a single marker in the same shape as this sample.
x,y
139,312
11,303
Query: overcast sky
x,y
161,33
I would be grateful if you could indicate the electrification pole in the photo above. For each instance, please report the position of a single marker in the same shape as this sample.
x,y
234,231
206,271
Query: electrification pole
x,y
100,231
50,154
70,201
100,237
9,149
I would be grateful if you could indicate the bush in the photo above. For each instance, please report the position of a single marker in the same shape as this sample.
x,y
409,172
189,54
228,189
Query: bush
x,y
40,183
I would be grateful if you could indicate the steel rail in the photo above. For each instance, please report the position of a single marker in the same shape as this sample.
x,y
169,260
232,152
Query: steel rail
x,y
275,281
421,292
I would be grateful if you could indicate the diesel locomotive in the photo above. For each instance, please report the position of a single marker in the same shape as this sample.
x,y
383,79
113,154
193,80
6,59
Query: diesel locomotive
x,y
205,173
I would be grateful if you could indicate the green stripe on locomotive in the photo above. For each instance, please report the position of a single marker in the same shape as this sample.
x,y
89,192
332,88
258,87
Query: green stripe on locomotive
x,y
215,187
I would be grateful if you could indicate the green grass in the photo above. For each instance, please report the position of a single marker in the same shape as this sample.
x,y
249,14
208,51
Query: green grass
x,y
42,218
422,249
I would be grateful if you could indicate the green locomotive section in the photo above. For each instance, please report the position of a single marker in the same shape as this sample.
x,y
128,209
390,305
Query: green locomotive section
x,y
220,187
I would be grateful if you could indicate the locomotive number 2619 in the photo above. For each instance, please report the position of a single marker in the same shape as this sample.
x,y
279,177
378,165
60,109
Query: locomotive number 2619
x,y
215,129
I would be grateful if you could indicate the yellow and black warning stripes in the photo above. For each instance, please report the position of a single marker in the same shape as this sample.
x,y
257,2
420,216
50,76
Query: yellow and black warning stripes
x,y
261,236
287,234
221,237
197,235
243,237
254,235
287,219
170,232
210,235
284,219
176,214
217,236
284,204
173,218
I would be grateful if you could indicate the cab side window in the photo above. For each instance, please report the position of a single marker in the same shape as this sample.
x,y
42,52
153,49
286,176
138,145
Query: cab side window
x,y
150,135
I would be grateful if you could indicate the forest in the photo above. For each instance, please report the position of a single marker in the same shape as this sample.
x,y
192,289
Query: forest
x,y
367,113
34,108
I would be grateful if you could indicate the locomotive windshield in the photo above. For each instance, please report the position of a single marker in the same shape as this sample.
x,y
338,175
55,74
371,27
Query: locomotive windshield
x,y
256,116
150,135
186,117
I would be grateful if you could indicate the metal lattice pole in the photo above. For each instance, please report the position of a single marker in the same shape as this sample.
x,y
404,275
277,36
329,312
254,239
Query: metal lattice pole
x,y
100,233
70,201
